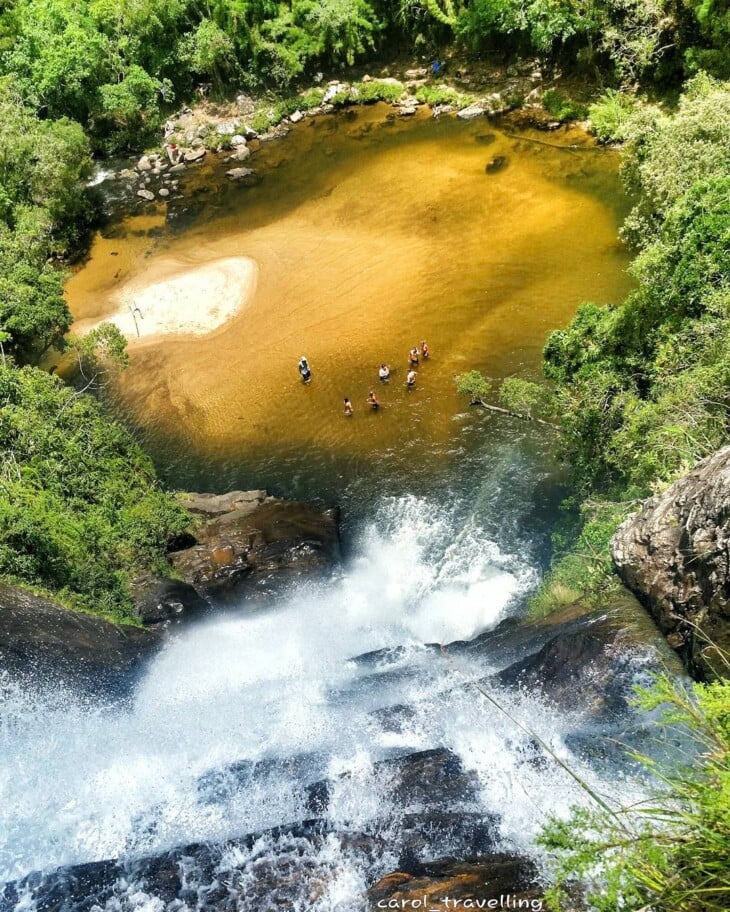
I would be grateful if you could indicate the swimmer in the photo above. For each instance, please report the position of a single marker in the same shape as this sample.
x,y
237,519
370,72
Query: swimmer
x,y
425,351
411,379
348,408
304,370
384,373
373,402
413,357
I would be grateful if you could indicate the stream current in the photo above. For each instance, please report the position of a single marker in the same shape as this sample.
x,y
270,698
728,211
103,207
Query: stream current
x,y
447,522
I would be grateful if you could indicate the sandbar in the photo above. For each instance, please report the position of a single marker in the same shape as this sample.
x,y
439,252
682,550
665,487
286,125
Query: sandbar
x,y
177,298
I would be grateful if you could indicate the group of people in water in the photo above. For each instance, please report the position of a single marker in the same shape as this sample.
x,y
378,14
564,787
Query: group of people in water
x,y
414,358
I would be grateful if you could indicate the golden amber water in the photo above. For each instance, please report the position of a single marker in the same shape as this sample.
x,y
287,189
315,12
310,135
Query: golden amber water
x,y
370,234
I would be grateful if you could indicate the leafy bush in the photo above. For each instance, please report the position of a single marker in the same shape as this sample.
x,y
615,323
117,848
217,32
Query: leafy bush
x,y
670,852
81,511
611,114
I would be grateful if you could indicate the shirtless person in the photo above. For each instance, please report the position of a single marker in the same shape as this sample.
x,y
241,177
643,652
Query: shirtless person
x,y
425,351
413,357
373,402
348,408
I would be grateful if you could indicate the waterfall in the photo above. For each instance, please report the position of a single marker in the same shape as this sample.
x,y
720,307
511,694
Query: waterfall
x,y
240,714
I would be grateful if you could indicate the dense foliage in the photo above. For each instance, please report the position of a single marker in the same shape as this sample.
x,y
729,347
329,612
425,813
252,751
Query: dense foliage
x,y
645,384
43,211
668,854
115,67
80,509
643,387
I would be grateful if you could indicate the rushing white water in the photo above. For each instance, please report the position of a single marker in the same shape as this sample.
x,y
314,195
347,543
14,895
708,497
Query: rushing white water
x,y
278,685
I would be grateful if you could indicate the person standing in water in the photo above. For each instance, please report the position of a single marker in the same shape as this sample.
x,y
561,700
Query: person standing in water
x,y
411,379
304,370
413,358
348,408
384,373
425,352
373,402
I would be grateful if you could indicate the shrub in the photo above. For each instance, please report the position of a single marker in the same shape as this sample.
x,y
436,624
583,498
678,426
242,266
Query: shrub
x,y
562,108
611,114
668,853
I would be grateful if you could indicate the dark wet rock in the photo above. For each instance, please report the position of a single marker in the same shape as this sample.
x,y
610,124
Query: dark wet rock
x,y
675,555
496,164
492,878
247,539
158,599
591,665
44,644
485,139
438,813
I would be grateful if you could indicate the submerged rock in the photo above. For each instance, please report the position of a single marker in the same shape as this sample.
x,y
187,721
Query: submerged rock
x,y
247,539
496,164
674,554
43,644
240,174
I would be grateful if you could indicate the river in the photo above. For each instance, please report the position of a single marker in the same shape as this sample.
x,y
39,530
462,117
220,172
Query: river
x,y
369,234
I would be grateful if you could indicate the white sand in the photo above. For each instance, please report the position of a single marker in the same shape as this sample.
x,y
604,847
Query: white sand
x,y
188,299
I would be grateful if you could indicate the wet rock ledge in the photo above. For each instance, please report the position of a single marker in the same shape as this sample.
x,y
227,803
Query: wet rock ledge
x,y
674,553
246,542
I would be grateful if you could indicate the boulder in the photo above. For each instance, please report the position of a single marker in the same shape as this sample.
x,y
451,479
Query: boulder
x,y
43,644
476,109
178,168
245,104
242,154
144,164
296,117
247,540
238,140
194,155
163,191
240,174
159,599
146,195
674,553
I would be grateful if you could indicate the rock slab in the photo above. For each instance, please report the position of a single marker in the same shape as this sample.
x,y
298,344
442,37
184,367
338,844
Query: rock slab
x,y
246,539
43,644
674,553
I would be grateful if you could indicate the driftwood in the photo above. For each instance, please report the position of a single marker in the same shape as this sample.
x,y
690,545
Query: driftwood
x,y
510,414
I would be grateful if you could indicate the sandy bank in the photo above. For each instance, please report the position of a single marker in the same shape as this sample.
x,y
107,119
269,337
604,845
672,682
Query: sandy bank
x,y
177,298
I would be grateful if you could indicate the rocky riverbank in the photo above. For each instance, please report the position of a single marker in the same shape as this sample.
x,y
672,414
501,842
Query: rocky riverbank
x,y
230,132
